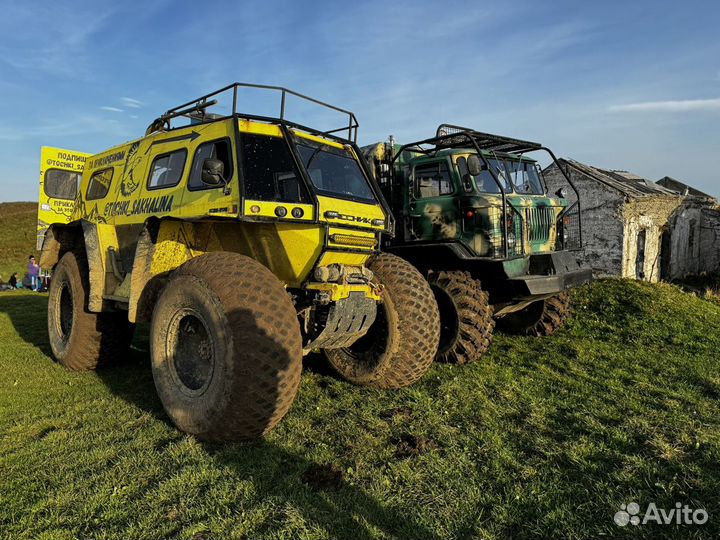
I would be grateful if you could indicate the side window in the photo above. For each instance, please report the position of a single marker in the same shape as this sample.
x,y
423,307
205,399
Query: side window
x,y
99,184
61,184
210,150
433,180
464,174
167,169
269,170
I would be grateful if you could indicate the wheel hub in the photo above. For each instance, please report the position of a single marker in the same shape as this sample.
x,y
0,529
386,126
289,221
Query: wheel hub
x,y
65,308
191,352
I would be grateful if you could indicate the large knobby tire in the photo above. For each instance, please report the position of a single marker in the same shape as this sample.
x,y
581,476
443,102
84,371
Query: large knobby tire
x,y
466,318
81,340
541,318
226,348
402,342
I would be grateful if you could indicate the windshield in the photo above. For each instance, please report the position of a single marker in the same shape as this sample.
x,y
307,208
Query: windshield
x,y
524,176
484,181
334,171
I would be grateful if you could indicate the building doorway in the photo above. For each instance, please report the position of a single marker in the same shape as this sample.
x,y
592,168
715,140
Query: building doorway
x,y
640,257
665,243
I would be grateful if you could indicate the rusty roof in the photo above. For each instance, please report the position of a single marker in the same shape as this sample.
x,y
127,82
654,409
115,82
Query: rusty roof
x,y
625,182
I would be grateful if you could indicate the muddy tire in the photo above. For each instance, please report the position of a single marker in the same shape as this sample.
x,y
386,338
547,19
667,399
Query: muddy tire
x,y
466,318
226,348
402,342
81,340
542,318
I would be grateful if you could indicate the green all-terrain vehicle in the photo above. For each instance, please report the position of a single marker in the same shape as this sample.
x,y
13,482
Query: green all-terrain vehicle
x,y
474,217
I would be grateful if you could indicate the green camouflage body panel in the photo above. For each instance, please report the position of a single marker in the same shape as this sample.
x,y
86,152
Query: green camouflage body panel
x,y
474,217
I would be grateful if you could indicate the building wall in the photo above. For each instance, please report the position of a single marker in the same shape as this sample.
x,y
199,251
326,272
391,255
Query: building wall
x,y
695,240
685,242
710,240
601,220
649,216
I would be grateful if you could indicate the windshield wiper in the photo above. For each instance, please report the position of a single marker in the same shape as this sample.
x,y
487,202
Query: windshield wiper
x,y
312,156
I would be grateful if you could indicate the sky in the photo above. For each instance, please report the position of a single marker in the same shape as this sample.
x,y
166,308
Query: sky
x,y
619,85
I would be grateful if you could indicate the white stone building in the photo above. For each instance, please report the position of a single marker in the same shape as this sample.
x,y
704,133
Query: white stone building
x,y
636,228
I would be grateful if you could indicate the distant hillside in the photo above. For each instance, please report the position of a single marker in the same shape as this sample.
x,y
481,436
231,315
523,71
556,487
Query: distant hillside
x,y
18,226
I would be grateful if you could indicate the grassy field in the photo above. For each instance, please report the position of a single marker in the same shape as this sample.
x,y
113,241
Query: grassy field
x,y
18,223
542,438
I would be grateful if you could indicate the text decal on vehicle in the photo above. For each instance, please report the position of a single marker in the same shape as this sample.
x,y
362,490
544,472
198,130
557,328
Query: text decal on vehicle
x,y
346,217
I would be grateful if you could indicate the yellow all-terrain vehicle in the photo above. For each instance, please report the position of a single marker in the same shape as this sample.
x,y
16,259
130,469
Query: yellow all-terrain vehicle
x,y
246,241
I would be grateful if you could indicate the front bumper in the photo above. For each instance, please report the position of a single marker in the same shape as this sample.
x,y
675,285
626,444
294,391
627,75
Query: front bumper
x,y
534,285
545,274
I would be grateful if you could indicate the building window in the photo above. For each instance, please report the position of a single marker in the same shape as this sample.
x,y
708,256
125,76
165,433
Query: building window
x,y
167,169
61,184
99,184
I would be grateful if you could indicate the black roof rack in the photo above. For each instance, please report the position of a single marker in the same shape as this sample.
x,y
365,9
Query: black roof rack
x,y
485,141
198,106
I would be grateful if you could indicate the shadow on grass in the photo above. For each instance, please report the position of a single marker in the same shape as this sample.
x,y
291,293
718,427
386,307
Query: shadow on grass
x,y
28,314
319,492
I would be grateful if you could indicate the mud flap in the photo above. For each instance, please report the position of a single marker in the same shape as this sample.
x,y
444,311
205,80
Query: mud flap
x,y
347,321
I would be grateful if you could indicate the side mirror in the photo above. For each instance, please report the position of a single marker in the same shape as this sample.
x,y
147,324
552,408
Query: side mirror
x,y
474,165
467,182
213,172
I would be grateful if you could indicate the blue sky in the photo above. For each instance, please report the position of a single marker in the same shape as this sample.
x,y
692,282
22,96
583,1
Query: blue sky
x,y
627,85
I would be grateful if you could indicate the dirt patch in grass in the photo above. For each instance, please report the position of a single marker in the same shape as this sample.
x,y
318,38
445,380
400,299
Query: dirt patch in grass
x,y
323,477
408,445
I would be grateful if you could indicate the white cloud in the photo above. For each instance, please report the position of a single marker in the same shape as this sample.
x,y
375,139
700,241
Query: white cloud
x,y
111,109
61,129
132,103
682,105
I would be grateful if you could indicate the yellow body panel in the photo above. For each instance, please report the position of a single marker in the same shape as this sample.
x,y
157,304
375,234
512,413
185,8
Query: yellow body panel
x,y
207,219
259,128
337,257
53,209
267,209
352,213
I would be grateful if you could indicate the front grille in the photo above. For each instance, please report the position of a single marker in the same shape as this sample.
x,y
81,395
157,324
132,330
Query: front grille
x,y
514,222
540,221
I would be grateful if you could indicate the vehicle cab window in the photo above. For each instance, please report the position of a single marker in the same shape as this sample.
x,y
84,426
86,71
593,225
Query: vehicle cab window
x,y
167,169
525,177
432,180
269,170
334,171
99,184
61,184
210,150
484,182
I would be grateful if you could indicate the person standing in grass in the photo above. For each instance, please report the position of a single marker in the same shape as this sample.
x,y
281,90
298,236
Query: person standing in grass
x,y
34,273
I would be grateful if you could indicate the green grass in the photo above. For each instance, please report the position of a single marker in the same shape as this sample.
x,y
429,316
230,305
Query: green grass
x,y
542,438
18,223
